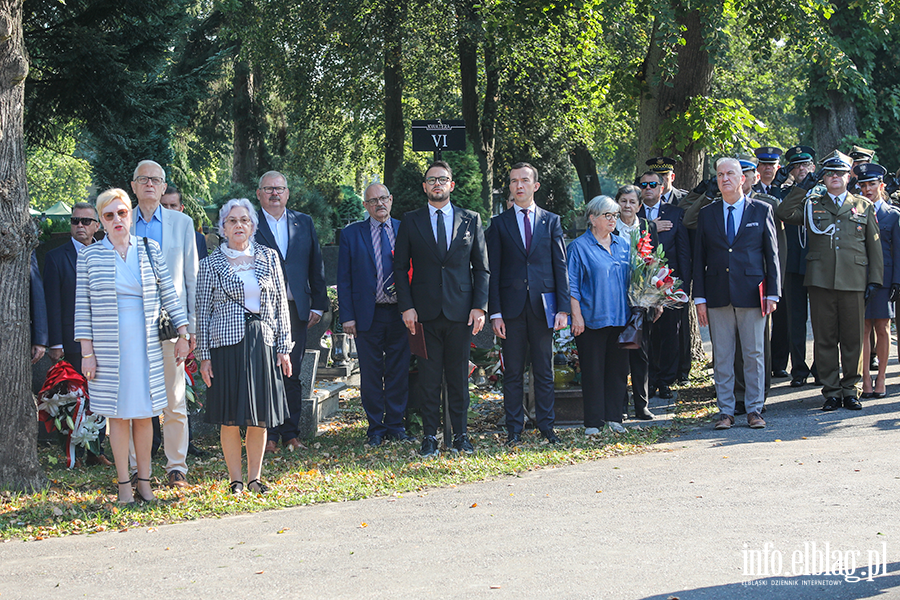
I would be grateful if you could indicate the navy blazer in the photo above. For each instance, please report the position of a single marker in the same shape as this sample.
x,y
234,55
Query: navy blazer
x,y
38,311
675,241
518,276
889,230
357,275
452,286
60,275
304,270
730,274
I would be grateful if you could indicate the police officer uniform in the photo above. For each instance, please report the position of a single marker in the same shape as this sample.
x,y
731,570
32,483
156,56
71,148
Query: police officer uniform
x,y
843,262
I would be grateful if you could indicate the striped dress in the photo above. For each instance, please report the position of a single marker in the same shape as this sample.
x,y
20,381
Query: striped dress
x,y
97,319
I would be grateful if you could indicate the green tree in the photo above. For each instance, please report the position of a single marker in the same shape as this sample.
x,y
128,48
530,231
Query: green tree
x,y
56,175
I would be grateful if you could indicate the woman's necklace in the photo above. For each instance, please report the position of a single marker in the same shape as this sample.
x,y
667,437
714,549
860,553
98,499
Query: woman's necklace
x,y
122,254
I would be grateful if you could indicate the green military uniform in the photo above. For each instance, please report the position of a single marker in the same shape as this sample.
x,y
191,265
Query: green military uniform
x,y
844,254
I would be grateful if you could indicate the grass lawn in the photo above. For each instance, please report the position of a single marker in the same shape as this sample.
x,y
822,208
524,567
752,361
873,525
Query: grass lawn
x,y
335,467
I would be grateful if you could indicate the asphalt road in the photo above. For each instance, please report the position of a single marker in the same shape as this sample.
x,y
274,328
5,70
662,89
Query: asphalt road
x,y
702,517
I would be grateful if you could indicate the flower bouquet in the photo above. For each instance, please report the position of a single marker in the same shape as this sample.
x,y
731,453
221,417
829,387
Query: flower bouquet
x,y
652,288
62,405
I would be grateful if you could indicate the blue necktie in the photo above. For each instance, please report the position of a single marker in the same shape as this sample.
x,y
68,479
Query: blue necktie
x,y
729,226
387,261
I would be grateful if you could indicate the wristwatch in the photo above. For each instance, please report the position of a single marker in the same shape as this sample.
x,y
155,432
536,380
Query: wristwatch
x,y
185,336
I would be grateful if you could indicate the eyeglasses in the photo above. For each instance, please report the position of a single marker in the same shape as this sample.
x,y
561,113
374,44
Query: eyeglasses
x,y
279,190
143,179
378,200
244,221
648,184
440,180
834,173
610,216
82,220
110,216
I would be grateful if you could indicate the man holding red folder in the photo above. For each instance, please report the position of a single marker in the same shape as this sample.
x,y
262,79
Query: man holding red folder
x,y
735,251
529,298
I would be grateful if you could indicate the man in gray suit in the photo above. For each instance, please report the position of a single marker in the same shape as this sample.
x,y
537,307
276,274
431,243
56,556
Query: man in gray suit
x,y
174,232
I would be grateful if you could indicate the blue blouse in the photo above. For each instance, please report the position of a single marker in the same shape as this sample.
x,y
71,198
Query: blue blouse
x,y
599,278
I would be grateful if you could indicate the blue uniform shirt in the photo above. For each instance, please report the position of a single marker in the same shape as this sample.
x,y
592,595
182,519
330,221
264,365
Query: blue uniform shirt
x,y
599,280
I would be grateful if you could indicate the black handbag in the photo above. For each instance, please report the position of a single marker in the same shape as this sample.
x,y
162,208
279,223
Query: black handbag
x,y
164,324
631,337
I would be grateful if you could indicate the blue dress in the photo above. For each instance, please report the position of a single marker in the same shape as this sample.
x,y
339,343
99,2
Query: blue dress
x,y
134,364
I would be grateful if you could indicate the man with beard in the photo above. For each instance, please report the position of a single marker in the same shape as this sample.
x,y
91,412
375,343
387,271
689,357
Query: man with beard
x,y
448,296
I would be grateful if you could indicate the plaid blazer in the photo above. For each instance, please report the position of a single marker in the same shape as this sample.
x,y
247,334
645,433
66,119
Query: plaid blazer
x,y
220,320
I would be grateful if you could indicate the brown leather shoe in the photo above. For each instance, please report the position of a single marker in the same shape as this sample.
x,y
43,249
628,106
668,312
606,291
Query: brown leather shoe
x,y
177,479
293,444
271,447
725,422
755,421
97,459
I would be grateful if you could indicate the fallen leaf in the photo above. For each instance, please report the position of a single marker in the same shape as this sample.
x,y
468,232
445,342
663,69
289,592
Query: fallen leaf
x,y
476,504
283,530
57,511
599,491
363,524
495,587
777,440
260,572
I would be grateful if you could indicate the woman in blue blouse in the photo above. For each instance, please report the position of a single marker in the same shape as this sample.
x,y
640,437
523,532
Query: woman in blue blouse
x,y
599,273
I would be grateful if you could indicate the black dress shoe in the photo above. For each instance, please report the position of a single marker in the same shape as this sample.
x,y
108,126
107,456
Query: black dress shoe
x,y
513,440
780,374
879,394
429,446
375,441
797,382
644,415
462,444
831,404
551,436
401,437
197,452
665,393
851,403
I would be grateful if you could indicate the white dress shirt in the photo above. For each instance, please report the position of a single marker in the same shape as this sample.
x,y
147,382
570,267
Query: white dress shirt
x,y
448,220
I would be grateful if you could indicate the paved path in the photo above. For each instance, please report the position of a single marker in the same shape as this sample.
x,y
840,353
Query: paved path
x,y
679,522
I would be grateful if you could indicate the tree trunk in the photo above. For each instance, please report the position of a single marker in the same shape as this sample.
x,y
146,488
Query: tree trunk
x,y
246,135
832,123
586,167
394,130
668,98
479,128
19,466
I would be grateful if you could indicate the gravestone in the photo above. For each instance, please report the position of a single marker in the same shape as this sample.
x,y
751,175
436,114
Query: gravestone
x,y
309,410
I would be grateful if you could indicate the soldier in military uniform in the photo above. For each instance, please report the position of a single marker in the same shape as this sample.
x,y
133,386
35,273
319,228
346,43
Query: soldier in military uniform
x,y
665,166
880,307
844,265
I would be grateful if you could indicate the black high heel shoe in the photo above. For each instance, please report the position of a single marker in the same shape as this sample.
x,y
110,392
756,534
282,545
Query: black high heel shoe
x,y
129,502
260,488
140,495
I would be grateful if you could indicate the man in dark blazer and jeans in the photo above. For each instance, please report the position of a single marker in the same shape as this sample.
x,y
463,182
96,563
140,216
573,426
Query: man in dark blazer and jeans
x,y
293,236
448,295
527,258
368,309
736,249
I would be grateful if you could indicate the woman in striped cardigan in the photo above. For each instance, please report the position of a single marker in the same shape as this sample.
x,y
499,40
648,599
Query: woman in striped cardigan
x,y
121,285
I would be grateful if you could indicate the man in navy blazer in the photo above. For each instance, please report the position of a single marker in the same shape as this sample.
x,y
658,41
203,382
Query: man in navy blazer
x,y
59,291
735,250
666,344
293,236
368,309
528,259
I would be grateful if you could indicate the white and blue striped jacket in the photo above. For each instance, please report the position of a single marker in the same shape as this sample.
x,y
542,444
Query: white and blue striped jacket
x,y
97,319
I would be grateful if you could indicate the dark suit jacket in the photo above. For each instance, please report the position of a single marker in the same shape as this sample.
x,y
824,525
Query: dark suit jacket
x,y
730,274
304,270
38,305
453,286
357,275
889,228
202,250
517,276
674,241
59,289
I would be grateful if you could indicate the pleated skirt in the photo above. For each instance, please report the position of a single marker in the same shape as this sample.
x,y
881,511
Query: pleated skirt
x,y
247,387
